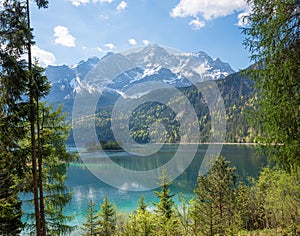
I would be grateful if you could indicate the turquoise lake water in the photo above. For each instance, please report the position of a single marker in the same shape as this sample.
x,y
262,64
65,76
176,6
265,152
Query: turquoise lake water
x,y
86,186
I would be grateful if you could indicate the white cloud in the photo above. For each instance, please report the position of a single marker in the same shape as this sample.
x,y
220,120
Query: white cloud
x,y
44,57
100,49
208,9
79,2
63,37
84,2
122,6
110,46
146,42
132,41
197,24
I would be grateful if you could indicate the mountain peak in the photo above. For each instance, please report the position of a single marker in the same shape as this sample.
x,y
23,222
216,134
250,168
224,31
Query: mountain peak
x,y
150,63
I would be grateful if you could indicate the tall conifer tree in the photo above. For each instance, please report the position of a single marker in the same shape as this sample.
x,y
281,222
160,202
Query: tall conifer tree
x,y
214,206
91,216
107,218
13,111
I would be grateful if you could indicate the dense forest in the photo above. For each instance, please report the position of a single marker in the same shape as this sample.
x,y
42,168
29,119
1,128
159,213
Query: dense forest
x,y
34,159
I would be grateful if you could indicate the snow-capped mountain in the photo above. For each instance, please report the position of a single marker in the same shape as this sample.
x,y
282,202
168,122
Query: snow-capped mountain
x,y
115,73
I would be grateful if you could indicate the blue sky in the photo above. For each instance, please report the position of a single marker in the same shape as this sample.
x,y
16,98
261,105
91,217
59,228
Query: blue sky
x,y
73,30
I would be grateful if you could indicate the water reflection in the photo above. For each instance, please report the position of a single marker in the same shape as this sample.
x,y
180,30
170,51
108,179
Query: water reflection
x,y
86,186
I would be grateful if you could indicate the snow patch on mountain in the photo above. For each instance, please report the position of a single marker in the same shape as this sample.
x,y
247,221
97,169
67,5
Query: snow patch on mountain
x,y
151,71
149,64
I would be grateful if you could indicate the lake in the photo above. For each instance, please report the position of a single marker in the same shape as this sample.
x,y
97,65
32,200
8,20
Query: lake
x,y
87,186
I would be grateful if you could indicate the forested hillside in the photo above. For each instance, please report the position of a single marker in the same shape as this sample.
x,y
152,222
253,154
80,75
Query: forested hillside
x,y
236,90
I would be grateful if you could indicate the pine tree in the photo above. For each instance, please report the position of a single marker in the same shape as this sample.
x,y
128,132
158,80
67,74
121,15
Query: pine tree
x,y
34,96
90,225
13,110
54,132
144,219
166,222
165,205
142,205
18,82
214,205
107,221
195,221
183,213
243,206
141,221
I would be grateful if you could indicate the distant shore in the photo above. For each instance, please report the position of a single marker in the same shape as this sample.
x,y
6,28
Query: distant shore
x,y
119,148
254,144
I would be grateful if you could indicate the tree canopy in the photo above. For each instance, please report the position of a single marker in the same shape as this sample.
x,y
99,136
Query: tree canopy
x,y
273,39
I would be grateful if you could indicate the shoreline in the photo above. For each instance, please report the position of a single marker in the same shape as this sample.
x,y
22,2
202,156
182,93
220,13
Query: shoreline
x,y
120,150
253,144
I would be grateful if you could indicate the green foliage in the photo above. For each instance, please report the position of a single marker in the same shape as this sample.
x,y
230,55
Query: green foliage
x,y
21,85
91,215
54,132
272,38
142,205
183,213
107,218
214,205
279,193
42,3
165,205
14,36
104,145
10,206
141,221
166,223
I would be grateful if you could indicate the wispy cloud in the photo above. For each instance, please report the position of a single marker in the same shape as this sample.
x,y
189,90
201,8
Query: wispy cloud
x,y
122,5
146,42
132,41
84,2
63,37
207,9
79,2
100,49
110,46
44,57
197,24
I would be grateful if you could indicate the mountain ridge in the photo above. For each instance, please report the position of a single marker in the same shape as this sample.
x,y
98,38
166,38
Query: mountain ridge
x,y
150,63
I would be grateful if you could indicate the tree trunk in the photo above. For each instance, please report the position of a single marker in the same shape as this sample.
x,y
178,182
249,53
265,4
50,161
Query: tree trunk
x,y
40,173
32,133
